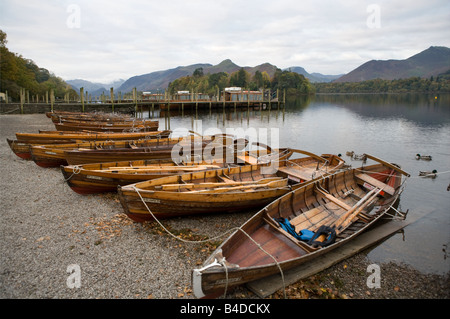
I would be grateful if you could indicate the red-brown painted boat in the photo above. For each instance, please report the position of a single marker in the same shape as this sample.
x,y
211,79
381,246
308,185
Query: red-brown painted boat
x,y
232,189
326,212
105,177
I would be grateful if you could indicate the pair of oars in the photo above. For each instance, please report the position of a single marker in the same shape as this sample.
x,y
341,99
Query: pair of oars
x,y
342,222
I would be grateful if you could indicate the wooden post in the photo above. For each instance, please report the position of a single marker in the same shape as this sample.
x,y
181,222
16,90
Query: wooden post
x,y
6,96
278,98
46,97
52,98
112,99
82,98
22,98
135,101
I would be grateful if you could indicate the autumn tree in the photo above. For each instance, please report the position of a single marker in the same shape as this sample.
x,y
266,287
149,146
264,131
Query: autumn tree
x,y
17,72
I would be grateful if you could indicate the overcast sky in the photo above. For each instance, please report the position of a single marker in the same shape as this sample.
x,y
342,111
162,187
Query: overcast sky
x,y
100,40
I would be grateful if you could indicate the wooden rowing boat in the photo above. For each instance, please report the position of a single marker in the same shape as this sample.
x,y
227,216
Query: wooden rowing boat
x,y
22,150
231,189
89,119
147,126
190,147
312,220
54,155
116,122
22,145
58,116
105,177
50,137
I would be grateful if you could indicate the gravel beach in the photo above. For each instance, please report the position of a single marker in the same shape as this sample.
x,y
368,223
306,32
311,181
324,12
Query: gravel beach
x,y
47,231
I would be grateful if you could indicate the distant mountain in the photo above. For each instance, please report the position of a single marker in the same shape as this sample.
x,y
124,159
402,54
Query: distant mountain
x,y
430,62
314,77
161,79
93,88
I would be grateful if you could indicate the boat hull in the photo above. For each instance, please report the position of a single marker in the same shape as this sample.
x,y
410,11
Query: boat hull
x,y
105,128
22,150
45,138
106,177
261,247
101,178
169,197
163,207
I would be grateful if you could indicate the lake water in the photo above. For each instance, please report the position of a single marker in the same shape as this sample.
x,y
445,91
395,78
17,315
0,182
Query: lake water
x,y
392,127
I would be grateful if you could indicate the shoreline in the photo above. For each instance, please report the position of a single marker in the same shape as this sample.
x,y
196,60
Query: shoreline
x,y
46,227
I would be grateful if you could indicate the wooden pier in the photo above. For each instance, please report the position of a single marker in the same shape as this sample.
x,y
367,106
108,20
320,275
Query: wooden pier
x,y
232,97
228,99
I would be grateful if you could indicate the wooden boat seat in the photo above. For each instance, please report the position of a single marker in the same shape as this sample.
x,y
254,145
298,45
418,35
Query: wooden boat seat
x,y
248,159
374,182
266,182
304,174
333,199
226,179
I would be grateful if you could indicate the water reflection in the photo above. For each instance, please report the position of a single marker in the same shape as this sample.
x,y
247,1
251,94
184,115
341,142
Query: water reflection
x,y
423,109
394,127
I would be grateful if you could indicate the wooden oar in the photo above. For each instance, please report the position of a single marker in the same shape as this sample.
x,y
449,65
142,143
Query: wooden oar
x,y
333,199
343,225
152,169
273,184
361,203
168,187
352,213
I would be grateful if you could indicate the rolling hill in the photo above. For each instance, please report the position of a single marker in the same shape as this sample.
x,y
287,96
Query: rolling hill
x,y
430,62
161,79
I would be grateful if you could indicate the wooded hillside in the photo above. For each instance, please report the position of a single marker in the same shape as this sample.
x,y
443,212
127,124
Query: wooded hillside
x,y
17,72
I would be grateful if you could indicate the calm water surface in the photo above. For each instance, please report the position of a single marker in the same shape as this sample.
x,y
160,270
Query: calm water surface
x,y
392,127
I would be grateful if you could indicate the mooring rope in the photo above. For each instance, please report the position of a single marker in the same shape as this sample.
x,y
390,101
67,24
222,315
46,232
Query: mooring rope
x,y
222,262
173,235
267,253
76,170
